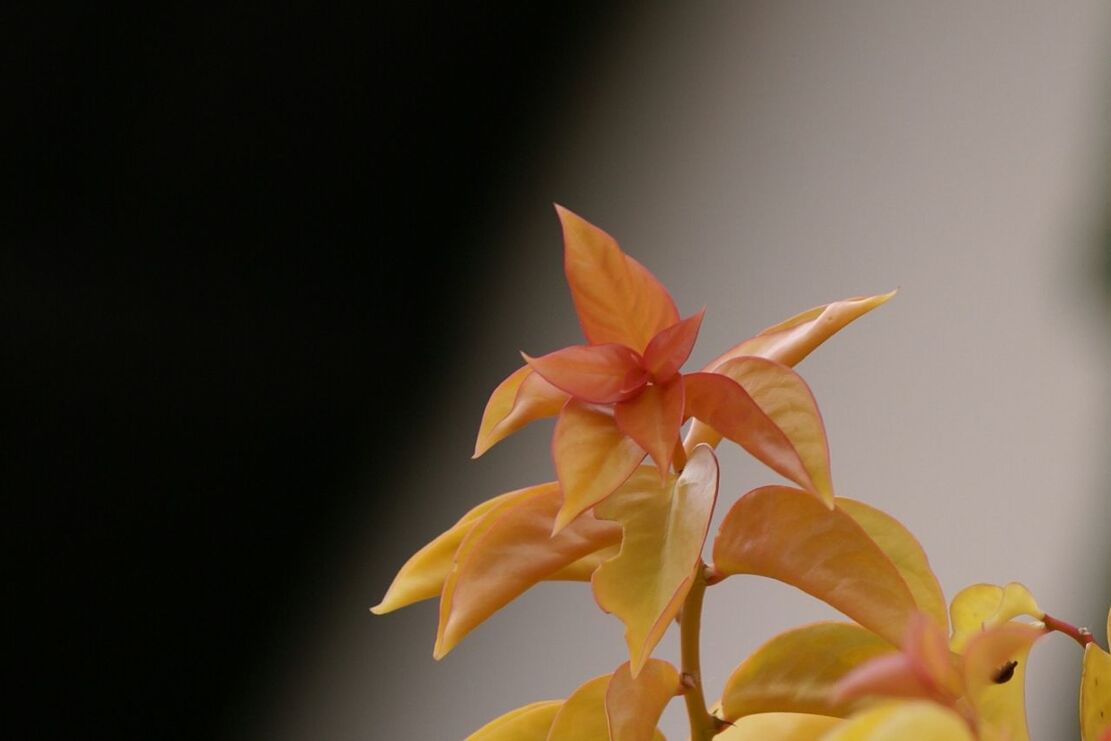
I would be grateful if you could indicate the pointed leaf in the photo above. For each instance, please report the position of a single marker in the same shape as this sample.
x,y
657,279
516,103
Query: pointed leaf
x,y
583,715
504,555
652,419
921,721
1095,692
634,706
529,723
617,299
786,534
779,727
423,575
721,402
797,670
668,350
664,530
600,374
793,339
789,342
907,555
786,399
994,677
592,458
521,398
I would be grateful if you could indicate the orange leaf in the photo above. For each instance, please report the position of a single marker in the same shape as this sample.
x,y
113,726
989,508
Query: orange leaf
x,y
786,534
906,553
634,706
592,458
786,399
503,556
789,342
664,530
653,419
668,350
721,402
793,339
423,575
601,374
521,398
617,299
796,670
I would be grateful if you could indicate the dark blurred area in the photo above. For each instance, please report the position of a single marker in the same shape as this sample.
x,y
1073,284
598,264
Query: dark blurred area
x,y
231,253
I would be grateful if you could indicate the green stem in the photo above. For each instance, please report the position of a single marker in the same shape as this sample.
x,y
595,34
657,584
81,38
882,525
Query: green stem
x,y
703,725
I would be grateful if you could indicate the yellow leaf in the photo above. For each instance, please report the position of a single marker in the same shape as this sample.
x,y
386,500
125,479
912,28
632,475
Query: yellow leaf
x,y
796,670
664,530
779,727
907,555
521,398
507,553
786,534
592,458
1095,692
789,342
529,723
786,399
995,676
920,721
634,706
423,575
983,606
583,715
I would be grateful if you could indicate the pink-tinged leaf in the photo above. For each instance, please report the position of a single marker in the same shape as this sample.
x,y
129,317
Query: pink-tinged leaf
x,y
600,374
634,706
797,670
786,399
423,575
616,298
920,721
664,530
928,648
792,340
583,715
668,350
652,419
994,678
592,458
505,555
722,403
529,723
786,534
907,555
779,727
521,398
893,675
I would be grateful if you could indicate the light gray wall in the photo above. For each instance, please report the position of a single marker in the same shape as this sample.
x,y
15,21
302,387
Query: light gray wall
x,y
761,158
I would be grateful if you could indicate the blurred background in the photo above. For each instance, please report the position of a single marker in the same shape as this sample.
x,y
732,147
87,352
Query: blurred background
x,y
261,270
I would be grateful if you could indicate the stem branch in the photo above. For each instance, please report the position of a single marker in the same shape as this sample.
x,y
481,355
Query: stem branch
x,y
703,725
1083,636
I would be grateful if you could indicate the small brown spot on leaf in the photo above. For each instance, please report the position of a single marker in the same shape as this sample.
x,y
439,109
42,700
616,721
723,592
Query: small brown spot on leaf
x,y
1004,673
